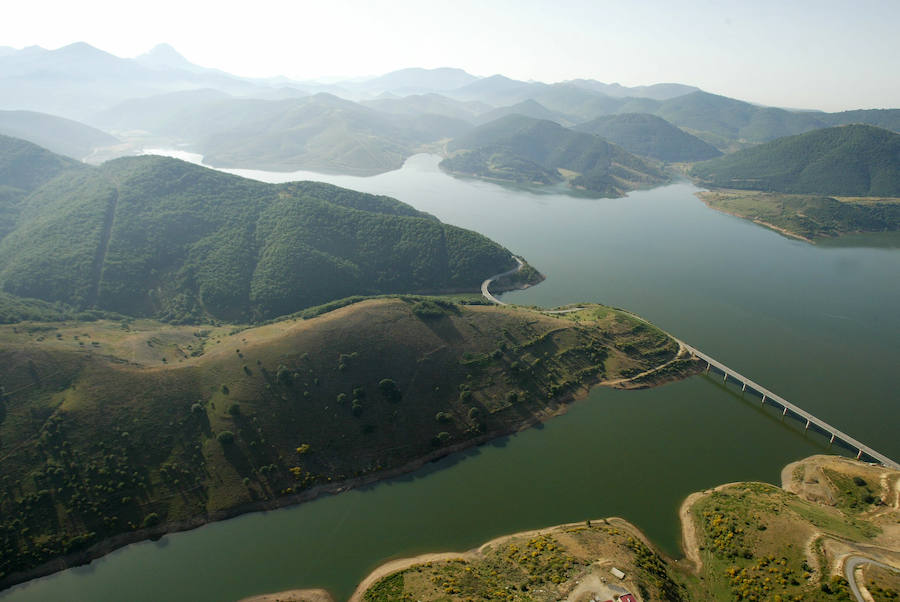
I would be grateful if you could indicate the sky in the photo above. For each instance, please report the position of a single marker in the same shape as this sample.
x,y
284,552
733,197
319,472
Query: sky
x,y
829,54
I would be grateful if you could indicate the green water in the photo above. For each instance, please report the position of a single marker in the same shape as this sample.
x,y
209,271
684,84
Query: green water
x,y
817,324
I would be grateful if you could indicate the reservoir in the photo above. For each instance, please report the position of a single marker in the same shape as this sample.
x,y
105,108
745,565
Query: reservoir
x,y
818,324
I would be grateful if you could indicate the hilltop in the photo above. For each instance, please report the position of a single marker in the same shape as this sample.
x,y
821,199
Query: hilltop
x,y
153,236
743,541
522,149
134,428
650,136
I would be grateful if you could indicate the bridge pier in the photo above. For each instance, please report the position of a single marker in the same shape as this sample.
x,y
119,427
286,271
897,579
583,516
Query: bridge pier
x,y
798,413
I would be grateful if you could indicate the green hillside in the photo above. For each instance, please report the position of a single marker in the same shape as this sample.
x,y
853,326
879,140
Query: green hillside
x,y
527,147
154,236
133,428
56,134
650,136
854,160
23,168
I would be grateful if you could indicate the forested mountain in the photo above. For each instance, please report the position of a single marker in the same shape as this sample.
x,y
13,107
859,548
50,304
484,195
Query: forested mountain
x,y
57,134
853,160
160,237
23,168
520,148
650,136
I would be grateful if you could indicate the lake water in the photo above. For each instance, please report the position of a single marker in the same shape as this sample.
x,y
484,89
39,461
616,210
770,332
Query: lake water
x,y
818,324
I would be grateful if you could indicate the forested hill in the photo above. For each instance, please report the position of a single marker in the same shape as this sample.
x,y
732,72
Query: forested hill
x,y
520,148
154,236
853,160
650,136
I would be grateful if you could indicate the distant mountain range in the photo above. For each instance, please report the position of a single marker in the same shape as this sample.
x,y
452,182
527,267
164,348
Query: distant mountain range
x,y
362,126
153,236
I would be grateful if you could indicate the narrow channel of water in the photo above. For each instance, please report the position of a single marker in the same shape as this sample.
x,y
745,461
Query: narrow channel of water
x,y
817,324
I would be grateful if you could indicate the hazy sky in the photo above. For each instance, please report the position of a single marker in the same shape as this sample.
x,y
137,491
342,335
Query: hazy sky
x,y
826,54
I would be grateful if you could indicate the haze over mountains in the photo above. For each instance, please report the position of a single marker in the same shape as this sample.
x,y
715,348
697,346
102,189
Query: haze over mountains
x,y
367,126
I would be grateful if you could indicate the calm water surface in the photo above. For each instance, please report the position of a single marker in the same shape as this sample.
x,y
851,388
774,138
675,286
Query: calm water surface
x,y
818,324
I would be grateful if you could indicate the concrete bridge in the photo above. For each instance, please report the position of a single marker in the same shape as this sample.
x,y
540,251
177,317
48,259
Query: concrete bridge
x,y
787,407
746,383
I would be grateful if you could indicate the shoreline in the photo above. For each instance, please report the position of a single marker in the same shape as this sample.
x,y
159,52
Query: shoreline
x,y
111,544
755,220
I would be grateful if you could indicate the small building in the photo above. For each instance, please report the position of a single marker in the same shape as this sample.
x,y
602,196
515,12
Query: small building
x,y
627,598
617,573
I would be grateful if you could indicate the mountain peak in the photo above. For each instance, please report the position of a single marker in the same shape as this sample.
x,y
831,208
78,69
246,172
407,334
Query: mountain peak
x,y
164,56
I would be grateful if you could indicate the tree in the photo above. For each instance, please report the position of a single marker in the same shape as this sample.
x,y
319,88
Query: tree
x,y
225,437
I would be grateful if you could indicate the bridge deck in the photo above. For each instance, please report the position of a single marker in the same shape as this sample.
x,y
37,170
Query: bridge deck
x,y
796,410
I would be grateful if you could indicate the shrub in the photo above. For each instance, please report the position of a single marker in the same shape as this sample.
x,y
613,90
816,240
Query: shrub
x,y
859,481
151,519
234,409
443,417
342,398
196,409
389,389
442,438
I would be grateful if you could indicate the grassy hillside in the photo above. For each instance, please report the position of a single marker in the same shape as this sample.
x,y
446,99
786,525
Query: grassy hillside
x,y
59,135
745,541
135,426
520,148
855,160
154,236
808,216
650,136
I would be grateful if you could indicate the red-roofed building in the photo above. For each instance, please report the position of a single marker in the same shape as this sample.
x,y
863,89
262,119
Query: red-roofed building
x,y
628,598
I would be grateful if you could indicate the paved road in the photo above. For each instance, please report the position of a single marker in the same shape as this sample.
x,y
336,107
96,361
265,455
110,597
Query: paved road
x,y
484,285
850,567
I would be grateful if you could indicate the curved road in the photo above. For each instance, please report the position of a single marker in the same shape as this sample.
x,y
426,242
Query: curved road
x,y
484,285
850,567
